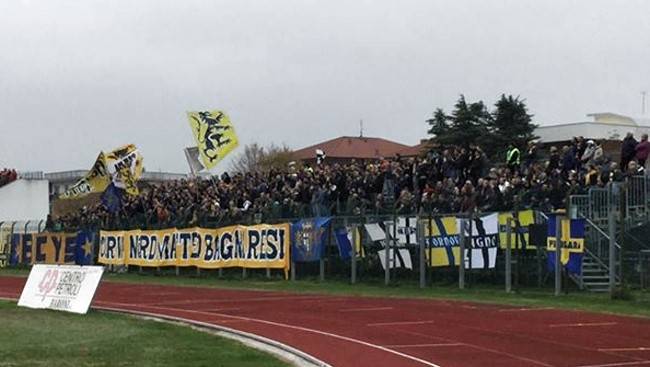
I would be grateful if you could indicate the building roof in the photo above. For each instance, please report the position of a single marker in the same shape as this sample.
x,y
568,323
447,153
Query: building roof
x,y
605,125
66,176
589,130
352,147
416,150
612,118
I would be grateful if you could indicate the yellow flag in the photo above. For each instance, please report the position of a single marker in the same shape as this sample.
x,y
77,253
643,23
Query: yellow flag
x,y
96,180
526,218
214,134
127,156
125,164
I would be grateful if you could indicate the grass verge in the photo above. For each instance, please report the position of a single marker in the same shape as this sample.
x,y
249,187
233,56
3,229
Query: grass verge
x,y
49,338
638,305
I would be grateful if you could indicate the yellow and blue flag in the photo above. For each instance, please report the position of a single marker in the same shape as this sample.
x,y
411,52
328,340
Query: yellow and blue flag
x,y
518,238
443,241
573,243
345,239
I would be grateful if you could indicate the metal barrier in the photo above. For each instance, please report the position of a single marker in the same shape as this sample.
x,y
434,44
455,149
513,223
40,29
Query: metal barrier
x,y
636,199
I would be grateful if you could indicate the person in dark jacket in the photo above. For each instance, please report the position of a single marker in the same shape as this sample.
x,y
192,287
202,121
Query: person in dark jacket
x,y
628,150
643,150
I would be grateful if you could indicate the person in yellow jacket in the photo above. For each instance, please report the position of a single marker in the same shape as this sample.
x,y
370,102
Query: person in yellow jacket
x,y
513,156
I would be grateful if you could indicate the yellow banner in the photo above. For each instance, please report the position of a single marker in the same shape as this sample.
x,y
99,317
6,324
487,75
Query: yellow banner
x,y
96,180
5,240
259,246
522,240
214,134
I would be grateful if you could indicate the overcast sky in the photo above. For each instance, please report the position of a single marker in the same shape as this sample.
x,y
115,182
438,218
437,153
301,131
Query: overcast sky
x,y
77,77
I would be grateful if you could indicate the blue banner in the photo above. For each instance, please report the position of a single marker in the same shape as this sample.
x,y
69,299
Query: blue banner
x,y
52,248
308,239
572,238
112,198
344,243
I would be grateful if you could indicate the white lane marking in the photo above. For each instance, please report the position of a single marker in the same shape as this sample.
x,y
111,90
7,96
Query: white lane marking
x,y
256,299
425,345
484,349
524,309
218,309
319,332
632,349
583,324
366,309
469,307
636,363
255,339
401,323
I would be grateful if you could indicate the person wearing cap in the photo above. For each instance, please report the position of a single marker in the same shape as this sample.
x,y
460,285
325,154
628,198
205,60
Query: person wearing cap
x,y
642,150
588,154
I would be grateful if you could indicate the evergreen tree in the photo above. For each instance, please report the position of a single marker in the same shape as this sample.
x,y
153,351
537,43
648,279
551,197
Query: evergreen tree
x,y
438,125
468,124
510,123
472,123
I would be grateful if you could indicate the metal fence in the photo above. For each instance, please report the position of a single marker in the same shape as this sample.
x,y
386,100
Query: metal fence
x,y
616,215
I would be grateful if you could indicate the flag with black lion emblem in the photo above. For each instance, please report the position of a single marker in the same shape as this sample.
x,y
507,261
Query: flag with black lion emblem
x,y
214,134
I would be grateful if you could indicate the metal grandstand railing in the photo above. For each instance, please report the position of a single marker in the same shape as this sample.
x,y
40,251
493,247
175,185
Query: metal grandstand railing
x,y
628,204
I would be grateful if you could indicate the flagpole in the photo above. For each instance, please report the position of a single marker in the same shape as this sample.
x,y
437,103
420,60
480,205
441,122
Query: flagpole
x,y
189,163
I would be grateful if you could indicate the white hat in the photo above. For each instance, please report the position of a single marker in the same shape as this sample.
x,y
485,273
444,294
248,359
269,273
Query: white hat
x,y
590,142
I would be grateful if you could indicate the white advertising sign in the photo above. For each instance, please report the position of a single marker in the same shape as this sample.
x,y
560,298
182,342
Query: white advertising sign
x,y
68,288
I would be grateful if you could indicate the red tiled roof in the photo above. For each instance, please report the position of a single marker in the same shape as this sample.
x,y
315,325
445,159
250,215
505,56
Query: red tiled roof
x,y
416,150
352,147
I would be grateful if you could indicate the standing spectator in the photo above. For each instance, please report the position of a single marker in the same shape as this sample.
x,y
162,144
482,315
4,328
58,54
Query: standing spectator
x,y
588,155
569,162
642,150
513,155
553,161
599,154
628,149
531,155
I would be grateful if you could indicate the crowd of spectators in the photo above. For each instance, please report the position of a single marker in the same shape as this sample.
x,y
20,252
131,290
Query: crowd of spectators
x,y
445,180
8,176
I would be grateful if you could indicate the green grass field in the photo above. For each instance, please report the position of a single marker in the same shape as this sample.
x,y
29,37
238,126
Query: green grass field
x,y
49,338
639,305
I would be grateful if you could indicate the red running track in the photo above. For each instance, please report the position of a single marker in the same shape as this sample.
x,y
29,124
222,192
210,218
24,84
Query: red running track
x,y
364,331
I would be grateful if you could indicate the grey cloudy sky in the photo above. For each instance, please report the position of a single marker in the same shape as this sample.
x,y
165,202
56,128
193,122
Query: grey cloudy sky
x,y
77,77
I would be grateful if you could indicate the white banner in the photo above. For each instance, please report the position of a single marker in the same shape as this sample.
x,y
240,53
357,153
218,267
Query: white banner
x,y
68,288
482,251
397,258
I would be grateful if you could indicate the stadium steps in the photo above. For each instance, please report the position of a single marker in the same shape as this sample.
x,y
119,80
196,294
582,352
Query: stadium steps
x,y
595,275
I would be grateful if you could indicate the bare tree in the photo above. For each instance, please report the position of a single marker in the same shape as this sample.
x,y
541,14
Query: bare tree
x,y
256,158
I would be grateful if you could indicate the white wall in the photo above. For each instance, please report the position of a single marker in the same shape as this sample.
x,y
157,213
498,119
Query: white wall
x,y
24,200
